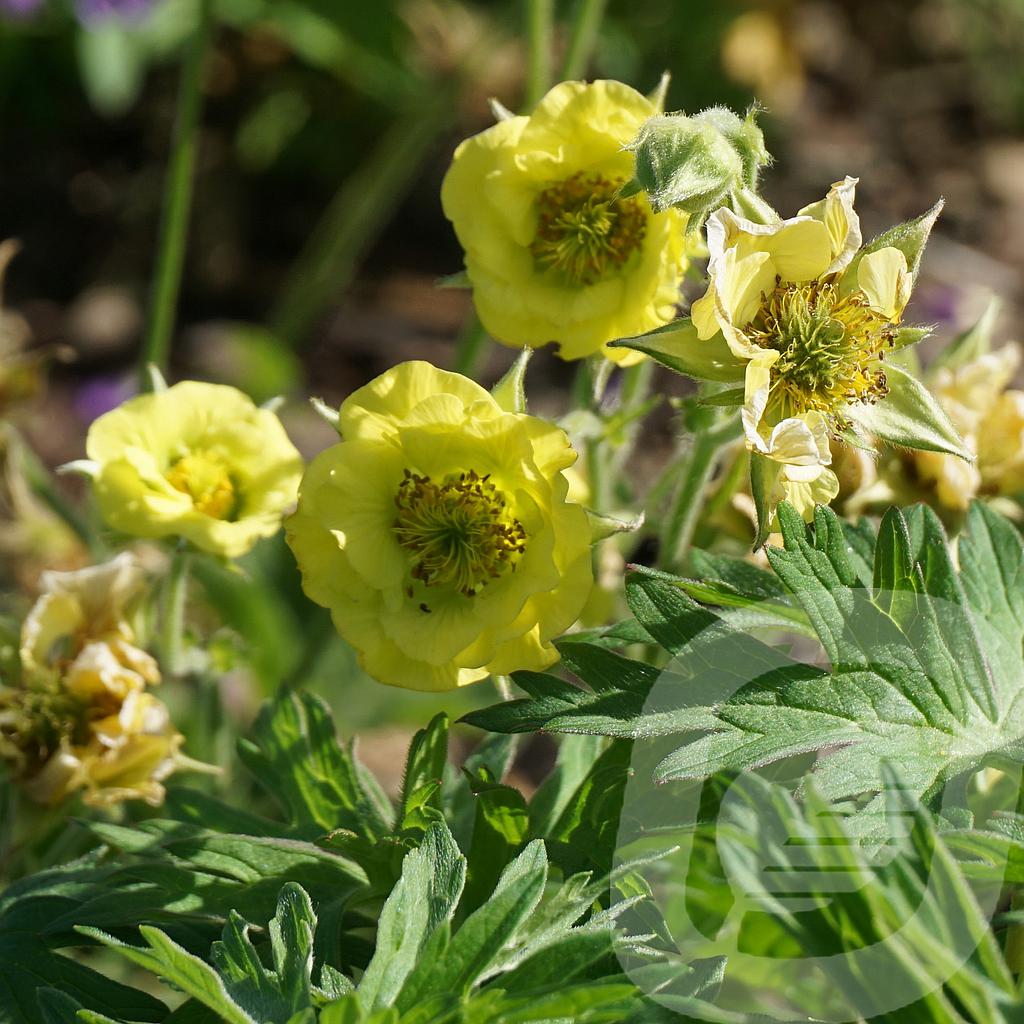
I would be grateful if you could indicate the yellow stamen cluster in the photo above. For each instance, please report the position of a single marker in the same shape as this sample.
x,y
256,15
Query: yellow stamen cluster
x,y
459,531
206,481
832,347
584,232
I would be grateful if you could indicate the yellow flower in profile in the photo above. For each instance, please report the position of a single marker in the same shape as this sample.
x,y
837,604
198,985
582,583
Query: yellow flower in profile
x,y
552,252
438,532
198,461
82,717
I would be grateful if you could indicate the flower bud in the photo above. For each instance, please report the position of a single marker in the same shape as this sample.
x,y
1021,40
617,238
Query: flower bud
x,y
696,163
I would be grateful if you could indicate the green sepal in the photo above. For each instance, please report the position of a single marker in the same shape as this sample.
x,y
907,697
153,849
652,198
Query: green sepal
x,y
973,343
909,336
730,398
658,94
510,391
909,417
677,346
460,279
602,527
910,238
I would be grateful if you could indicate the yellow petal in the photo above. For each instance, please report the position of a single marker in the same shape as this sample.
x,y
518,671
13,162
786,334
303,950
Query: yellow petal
x,y
882,277
836,212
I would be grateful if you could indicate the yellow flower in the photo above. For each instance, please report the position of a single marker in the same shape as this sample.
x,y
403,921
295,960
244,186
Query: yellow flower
x,y
82,718
552,252
990,416
198,461
438,532
812,330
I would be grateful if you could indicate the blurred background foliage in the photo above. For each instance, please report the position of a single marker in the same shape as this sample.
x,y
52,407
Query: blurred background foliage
x,y
317,236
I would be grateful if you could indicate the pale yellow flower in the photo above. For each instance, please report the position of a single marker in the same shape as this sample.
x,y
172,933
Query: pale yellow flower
x,y
198,461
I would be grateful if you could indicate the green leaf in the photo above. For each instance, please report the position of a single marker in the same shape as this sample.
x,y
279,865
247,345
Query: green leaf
x,y
907,337
424,898
677,346
499,831
485,933
169,961
112,66
510,391
909,417
924,665
425,764
296,754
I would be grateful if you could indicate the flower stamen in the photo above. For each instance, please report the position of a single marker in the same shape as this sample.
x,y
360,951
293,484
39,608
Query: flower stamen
x,y
459,531
207,482
832,347
584,232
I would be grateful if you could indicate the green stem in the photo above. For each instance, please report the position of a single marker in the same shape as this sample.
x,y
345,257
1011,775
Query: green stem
x,y
697,469
356,215
177,202
583,34
539,41
470,346
172,620
1014,947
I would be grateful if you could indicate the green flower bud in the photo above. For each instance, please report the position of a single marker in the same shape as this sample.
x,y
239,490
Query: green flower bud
x,y
697,163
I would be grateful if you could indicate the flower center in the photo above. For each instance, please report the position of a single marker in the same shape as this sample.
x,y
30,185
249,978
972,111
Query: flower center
x,y
460,531
206,481
832,347
584,233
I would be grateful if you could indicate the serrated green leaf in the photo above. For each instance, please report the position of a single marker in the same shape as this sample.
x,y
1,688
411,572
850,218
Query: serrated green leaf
x,y
485,933
295,751
424,898
424,765
909,417
677,346
924,664
169,961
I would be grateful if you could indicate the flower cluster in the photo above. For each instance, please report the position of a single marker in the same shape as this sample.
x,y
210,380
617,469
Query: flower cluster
x,y
83,717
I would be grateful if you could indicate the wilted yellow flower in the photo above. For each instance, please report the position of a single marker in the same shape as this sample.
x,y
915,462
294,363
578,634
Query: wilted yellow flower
x,y
198,461
552,252
438,532
810,315
82,717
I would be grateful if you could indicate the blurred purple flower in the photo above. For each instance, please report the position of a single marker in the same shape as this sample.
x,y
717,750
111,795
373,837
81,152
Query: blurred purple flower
x,y
94,12
100,394
20,8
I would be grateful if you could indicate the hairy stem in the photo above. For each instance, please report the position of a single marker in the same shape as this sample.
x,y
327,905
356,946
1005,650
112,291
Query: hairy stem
x,y
172,617
697,469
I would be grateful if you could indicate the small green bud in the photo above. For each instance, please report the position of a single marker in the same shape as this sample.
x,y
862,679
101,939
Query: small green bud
x,y
697,163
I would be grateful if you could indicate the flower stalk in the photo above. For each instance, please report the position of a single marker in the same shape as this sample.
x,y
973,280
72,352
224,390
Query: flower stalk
x,y
177,202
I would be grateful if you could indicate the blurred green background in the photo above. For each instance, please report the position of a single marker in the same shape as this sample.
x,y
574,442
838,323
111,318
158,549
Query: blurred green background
x,y
318,237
